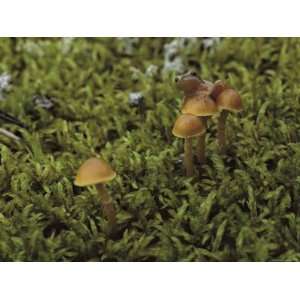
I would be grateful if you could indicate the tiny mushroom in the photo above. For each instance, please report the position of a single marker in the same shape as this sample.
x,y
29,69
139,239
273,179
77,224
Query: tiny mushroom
x,y
190,84
218,87
97,172
203,106
188,126
227,99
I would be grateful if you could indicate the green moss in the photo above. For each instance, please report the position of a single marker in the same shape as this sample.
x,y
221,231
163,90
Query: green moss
x,y
243,206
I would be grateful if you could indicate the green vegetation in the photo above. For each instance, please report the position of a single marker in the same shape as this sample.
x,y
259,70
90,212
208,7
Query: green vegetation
x,y
242,206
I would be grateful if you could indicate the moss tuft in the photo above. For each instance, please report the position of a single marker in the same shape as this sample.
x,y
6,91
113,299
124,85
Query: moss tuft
x,y
242,206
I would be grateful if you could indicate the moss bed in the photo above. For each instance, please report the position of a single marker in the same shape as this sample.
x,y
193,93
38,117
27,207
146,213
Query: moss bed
x,y
116,99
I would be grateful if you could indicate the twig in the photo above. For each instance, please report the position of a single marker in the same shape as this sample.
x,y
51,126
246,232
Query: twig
x,y
9,134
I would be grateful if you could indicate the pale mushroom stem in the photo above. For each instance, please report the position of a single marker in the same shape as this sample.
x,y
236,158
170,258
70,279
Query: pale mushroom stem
x,y
200,147
188,157
221,134
106,204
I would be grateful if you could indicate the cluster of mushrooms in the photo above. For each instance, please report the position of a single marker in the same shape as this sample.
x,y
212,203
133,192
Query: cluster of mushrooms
x,y
203,99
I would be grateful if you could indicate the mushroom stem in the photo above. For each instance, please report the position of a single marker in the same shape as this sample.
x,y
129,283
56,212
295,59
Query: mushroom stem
x,y
200,147
221,134
106,204
188,157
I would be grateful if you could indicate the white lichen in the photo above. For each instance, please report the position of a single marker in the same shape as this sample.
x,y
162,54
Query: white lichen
x,y
33,47
66,44
211,42
135,98
5,80
43,102
151,70
172,53
128,44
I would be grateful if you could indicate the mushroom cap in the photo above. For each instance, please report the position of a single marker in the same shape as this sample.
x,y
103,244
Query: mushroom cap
x,y
200,105
219,87
94,171
187,126
189,83
229,100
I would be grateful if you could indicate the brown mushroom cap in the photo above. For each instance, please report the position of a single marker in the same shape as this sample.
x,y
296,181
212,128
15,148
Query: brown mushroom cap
x,y
189,84
187,126
229,100
94,171
219,87
200,105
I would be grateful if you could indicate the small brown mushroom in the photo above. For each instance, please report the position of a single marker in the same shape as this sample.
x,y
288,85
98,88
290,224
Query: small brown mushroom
x,y
218,87
190,84
227,100
203,106
188,126
97,172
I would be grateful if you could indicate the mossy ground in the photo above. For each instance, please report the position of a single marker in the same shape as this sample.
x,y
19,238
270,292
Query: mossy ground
x,y
242,206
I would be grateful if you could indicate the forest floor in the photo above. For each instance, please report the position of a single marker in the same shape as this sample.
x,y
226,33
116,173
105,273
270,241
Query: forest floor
x,y
115,98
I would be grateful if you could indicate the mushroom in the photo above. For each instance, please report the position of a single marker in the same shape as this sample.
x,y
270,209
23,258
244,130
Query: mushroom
x,y
188,126
97,172
197,102
200,105
190,84
227,99
218,87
